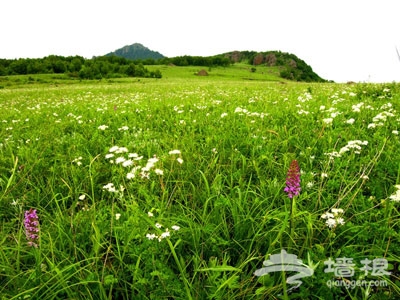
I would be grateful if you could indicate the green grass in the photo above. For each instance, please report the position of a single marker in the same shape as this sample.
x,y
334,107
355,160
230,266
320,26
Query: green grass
x,y
237,138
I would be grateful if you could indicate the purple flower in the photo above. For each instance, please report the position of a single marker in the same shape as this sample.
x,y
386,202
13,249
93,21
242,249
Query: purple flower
x,y
293,180
31,224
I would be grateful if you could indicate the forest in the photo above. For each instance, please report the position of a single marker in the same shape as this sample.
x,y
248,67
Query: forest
x,y
77,66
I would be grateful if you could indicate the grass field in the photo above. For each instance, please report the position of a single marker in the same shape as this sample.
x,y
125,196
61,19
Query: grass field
x,y
175,188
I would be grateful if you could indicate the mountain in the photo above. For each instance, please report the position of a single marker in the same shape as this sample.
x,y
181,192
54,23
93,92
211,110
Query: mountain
x,y
136,51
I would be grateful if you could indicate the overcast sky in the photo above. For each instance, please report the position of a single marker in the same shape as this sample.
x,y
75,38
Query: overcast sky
x,y
342,40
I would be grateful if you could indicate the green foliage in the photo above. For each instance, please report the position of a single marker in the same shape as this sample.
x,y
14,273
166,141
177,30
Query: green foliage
x,y
224,188
76,66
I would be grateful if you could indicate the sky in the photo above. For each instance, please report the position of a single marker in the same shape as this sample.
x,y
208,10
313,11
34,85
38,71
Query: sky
x,y
342,40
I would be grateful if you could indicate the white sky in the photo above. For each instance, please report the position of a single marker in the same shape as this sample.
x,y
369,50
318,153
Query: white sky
x,y
341,40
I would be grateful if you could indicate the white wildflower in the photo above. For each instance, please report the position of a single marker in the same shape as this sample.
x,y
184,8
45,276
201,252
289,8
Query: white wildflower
x,y
396,196
174,152
120,160
127,163
110,187
113,149
164,234
159,172
151,236
102,127
130,175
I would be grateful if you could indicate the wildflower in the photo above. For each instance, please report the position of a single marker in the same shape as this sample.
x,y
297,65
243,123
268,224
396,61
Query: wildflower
x,y
31,224
123,128
121,150
310,184
396,196
324,175
328,121
135,156
117,216
333,218
151,236
113,149
82,197
223,115
109,187
127,163
331,223
350,121
175,227
364,177
158,225
174,152
179,160
102,127
150,214
395,132
293,180
164,235
159,172
78,161
130,175
120,160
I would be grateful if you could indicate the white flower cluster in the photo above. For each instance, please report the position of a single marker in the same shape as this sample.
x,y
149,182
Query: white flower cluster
x,y
77,161
176,152
333,218
131,159
356,145
305,98
111,188
102,127
243,111
165,234
396,196
380,118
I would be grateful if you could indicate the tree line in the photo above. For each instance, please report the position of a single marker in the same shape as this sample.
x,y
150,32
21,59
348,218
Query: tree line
x,y
290,66
77,66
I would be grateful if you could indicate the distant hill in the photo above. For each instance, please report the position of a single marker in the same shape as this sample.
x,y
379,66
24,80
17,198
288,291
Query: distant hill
x,y
291,67
136,51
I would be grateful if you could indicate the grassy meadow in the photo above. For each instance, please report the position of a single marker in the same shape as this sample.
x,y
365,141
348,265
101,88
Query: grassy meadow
x,y
173,188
